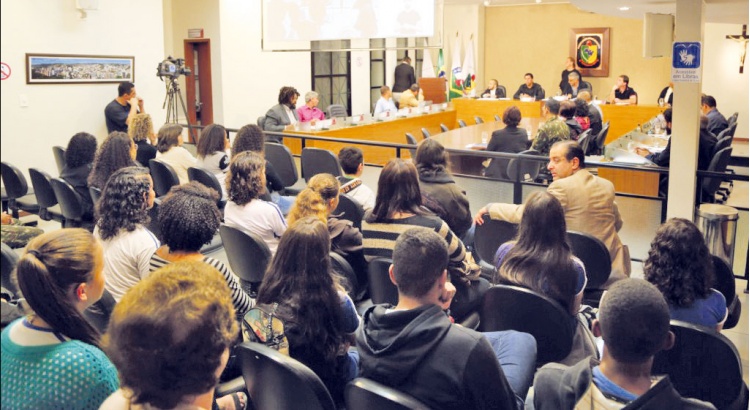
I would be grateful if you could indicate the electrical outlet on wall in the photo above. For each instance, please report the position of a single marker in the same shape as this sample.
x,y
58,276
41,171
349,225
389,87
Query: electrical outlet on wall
x,y
23,99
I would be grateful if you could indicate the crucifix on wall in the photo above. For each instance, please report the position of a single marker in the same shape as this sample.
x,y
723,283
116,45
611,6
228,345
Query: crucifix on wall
x,y
742,39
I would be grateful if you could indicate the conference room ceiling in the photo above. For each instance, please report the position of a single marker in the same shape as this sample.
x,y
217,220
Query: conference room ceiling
x,y
717,11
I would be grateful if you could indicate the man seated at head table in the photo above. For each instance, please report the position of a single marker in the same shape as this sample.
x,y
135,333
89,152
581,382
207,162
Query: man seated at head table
x,y
310,111
385,102
529,89
493,91
574,85
410,97
622,93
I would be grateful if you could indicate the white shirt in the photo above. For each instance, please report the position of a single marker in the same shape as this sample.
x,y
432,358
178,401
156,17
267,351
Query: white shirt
x,y
217,164
384,105
126,259
362,194
290,114
258,217
180,159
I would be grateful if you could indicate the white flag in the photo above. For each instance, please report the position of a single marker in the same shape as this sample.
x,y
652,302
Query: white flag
x,y
467,72
456,83
428,70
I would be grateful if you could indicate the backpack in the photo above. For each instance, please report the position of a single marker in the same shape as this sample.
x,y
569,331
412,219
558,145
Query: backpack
x,y
262,325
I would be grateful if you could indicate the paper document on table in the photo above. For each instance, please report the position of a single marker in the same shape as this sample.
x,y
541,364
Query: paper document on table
x,y
627,157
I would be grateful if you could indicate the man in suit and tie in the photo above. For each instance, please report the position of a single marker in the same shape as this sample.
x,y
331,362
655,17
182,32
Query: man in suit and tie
x,y
404,78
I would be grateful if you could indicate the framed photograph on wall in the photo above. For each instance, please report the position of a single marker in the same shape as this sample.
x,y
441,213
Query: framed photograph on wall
x,y
78,69
590,48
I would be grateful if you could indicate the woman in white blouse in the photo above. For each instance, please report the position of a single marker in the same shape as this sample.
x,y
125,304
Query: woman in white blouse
x,y
172,152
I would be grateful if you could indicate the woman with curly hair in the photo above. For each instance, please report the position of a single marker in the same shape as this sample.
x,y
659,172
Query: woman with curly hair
x,y
122,214
284,113
680,265
212,150
141,130
172,153
117,151
170,338
582,113
251,138
51,358
318,314
246,182
79,158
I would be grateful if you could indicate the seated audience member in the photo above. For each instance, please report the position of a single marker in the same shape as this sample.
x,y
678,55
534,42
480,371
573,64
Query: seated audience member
x,y
706,144
493,91
574,86
582,114
385,103
282,114
570,68
51,358
310,111
79,159
15,234
318,315
665,96
414,347
510,139
122,214
622,93
245,210
398,207
410,97
529,89
680,266
553,130
595,113
189,219
319,199
251,138
212,153
567,114
634,323
141,130
353,164
716,122
170,338
440,193
173,153
116,152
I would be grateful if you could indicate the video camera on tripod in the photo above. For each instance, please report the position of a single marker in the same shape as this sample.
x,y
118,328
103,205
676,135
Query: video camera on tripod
x,y
172,68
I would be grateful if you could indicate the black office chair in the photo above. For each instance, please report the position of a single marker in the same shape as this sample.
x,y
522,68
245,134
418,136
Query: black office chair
x,y
319,161
345,270
350,210
163,175
703,365
732,128
336,111
366,394
721,143
98,314
95,193
71,205
733,118
461,123
412,141
59,153
276,381
209,181
584,141
425,133
497,118
382,290
597,262
49,210
710,186
506,307
724,283
8,261
17,190
444,128
586,84
478,120
601,139
490,235
523,170
281,158
248,256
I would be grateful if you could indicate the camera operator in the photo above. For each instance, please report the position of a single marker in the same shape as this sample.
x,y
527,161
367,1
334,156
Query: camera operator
x,y
122,109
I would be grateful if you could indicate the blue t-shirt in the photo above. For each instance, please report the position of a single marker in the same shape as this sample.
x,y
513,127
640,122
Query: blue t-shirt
x,y
610,390
581,280
704,312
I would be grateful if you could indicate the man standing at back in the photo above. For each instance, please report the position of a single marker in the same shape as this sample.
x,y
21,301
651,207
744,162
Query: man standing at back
x,y
122,109
404,78
415,348
716,122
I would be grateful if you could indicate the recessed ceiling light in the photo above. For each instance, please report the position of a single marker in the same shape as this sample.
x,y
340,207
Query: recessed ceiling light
x,y
538,1
486,2
624,8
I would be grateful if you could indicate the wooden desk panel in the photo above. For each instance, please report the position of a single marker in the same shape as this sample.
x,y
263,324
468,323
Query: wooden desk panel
x,y
631,182
468,108
625,118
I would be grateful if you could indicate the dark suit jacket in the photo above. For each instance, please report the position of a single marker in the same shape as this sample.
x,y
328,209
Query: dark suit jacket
x,y
511,140
716,122
535,91
499,92
404,78
706,143
581,87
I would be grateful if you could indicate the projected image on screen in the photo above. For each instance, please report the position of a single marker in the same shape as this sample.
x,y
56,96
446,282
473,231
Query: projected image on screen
x,y
315,20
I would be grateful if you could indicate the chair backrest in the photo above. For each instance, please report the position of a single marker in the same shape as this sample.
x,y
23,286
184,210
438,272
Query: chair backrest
x,y
478,119
345,270
703,365
350,210
724,283
718,164
601,138
490,235
584,140
520,169
206,178
281,158
497,118
594,255
733,118
262,121
382,290
366,394
319,161
503,89
444,128
45,195
70,202
247,253
336,110
13,180
412,141
98,314
163,175
425,133
276,381
461,123
8,261
732,128
722,143
95,193
59,153
588,85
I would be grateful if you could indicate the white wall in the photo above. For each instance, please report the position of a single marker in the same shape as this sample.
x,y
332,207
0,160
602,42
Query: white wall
x,y
721,76
466,20
57,111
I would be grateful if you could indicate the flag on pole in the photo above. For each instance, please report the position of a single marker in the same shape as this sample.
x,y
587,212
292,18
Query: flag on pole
x,y
467,72
428,70
440,65
456,87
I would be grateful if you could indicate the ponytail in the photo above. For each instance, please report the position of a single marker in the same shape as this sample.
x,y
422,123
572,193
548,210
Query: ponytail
x,y
308,203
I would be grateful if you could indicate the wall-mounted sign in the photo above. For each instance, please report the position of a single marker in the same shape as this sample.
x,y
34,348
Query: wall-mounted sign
x,y
686,62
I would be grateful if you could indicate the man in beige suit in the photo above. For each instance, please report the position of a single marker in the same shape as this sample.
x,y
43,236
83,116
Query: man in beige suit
x,y
588,201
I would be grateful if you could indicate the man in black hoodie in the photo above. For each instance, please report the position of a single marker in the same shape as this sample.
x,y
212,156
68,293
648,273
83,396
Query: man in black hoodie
x,y
414,347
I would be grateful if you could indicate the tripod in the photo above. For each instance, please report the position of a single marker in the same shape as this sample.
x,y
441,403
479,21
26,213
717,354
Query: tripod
x,y
170,103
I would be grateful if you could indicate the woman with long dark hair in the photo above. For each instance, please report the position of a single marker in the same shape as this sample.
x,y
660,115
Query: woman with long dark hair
x,y
212,153
680,266
117,151
79,158
51,358
122,214
318,314
398,207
